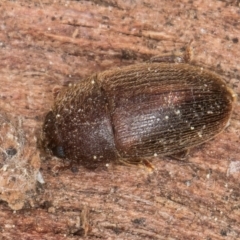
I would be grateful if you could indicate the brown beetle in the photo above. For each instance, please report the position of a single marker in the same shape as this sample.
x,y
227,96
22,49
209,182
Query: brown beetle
x,y
136,112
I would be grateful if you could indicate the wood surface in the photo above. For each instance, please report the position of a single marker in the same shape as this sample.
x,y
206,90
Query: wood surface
x,y
44,46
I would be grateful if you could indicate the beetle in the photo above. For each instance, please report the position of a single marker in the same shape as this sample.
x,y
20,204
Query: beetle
x,y
135,112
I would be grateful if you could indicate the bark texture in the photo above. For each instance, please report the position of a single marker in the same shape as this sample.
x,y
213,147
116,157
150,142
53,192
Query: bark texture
x,y
45,45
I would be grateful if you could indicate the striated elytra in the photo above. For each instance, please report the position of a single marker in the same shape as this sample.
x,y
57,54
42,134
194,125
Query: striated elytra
x,y
136,112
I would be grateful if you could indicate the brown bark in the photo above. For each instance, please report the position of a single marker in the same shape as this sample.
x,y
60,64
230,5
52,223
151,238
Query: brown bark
x,y
47,44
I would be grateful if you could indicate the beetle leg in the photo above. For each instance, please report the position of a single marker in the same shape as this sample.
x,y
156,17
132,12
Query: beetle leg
x,y
148,165
181,156
67,165
137,161
175,58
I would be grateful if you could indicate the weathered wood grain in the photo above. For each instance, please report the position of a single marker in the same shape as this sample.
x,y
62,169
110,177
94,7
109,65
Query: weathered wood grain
x,y
47,44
